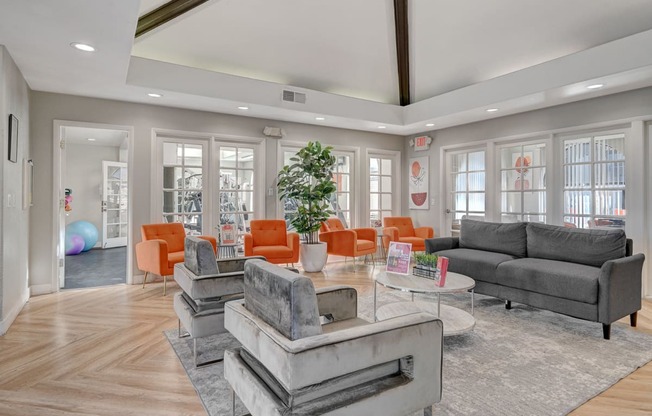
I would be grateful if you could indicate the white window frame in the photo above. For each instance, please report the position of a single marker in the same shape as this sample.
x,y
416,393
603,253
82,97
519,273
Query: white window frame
x,y
395,156
562,164
499,146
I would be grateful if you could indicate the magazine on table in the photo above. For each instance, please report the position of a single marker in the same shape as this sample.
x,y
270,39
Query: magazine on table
x,y
398,257
227,234
442,266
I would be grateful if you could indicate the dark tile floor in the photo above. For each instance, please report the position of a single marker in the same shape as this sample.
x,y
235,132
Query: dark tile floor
x,y
96,267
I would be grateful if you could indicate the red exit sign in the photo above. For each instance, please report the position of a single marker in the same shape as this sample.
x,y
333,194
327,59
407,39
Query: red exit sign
x,y
422,142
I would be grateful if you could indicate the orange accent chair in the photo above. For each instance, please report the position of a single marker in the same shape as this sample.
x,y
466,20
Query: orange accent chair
x,y
401,229
161,248
270,239
352,242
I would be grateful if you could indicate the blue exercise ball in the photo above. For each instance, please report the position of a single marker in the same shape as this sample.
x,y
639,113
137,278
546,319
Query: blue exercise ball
x,y
86,230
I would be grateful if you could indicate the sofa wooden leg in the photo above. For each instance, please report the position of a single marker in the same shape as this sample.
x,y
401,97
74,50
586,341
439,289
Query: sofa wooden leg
x,y
606,331
632,318
508,304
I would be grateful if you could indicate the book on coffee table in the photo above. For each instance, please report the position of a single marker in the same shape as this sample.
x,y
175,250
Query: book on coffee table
x,y
442,266
398,257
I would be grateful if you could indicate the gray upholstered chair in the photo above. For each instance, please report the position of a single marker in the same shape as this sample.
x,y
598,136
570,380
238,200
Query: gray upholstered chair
x,y
206,283
306,352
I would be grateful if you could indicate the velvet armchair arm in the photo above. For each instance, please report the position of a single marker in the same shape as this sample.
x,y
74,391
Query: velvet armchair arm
x,y
293,243
152,256
424,232
248,245
391,233
366,233
339,243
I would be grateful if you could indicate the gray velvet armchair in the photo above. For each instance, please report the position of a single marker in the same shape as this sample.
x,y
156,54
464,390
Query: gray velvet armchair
x,y
207,284
306,352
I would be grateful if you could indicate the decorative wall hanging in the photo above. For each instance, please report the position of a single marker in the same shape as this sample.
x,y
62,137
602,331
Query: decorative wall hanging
x,y
418,178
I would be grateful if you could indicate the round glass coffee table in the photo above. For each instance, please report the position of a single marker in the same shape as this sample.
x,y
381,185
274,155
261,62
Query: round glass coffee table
x,y
456,321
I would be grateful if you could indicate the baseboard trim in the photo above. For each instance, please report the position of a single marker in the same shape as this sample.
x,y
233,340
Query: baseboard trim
x,y
11,316
37,290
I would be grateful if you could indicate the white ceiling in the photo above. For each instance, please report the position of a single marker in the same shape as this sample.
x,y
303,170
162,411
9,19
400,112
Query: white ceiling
x,y
465,56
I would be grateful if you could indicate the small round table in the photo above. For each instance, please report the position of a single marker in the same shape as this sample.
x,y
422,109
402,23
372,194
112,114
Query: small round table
x,y
456,321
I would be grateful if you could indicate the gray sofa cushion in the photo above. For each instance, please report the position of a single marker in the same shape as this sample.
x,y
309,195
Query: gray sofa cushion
x,y
550,277
478,264
493,236
283,299
590,247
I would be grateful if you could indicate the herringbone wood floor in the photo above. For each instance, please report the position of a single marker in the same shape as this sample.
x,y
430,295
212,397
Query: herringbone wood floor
x,y
102,352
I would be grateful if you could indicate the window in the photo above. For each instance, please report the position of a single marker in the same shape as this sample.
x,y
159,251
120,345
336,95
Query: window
x,y
594,181
183,185
466,178
523,183
380,189
341,200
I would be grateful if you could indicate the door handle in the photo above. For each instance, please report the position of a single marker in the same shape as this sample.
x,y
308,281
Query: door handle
x,y
448,211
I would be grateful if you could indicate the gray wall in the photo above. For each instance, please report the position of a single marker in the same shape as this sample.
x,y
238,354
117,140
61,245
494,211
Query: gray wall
x,y
84,177
47,107
14,99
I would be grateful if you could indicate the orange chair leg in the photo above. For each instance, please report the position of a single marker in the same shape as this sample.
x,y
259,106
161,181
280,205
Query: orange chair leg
x,y
165,283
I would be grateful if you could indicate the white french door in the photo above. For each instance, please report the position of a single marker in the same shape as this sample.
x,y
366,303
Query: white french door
x,y
465,187
115,200
238,189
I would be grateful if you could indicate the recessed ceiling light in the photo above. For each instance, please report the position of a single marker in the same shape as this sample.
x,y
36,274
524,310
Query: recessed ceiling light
x,y
83,47
382,127
430,124
243,107
491,110
90,139
594,86
155,95
320,118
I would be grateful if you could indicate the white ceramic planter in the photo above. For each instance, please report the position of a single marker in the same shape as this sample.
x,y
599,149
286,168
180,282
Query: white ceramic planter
x,y
313,257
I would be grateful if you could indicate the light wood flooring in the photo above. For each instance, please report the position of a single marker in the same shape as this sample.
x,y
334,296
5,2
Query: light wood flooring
x,y
101,351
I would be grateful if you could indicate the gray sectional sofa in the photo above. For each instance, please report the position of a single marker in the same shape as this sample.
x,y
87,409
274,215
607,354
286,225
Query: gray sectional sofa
x,y
587,274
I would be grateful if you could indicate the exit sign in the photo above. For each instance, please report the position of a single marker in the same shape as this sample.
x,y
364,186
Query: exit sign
x,y
422,143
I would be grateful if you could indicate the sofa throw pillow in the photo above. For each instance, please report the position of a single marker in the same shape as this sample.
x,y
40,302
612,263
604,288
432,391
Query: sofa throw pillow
x,y
590,247
508,238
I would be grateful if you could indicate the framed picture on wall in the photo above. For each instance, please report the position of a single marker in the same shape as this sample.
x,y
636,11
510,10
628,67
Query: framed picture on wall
x,y
13,138
418,186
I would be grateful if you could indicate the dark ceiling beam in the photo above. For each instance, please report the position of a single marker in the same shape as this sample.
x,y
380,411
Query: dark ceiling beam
x,y
402,50
165,13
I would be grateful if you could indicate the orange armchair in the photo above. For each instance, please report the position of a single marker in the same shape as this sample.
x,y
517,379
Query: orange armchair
x,y
161,248
401,229
270,239
353,242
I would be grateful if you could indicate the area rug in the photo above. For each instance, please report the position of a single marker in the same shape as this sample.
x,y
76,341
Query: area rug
x,y
523,361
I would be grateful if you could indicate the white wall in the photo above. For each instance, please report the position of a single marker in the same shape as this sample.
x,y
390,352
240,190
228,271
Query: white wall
x,y
84,177
618,110
14,99
47,107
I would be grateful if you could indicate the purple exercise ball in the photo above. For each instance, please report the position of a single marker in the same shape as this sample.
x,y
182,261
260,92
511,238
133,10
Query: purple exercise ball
x,y
74,244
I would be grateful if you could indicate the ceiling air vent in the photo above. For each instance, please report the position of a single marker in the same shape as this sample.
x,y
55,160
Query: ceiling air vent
x,y
294,97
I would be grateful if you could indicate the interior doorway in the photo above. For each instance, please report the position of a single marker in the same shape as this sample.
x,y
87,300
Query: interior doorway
x,y
93,210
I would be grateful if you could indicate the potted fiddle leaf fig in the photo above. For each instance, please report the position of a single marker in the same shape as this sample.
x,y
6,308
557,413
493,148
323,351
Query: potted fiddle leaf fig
x,y
308,182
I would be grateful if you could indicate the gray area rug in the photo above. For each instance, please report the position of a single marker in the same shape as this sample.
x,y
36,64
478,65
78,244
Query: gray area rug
x,y
523,361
